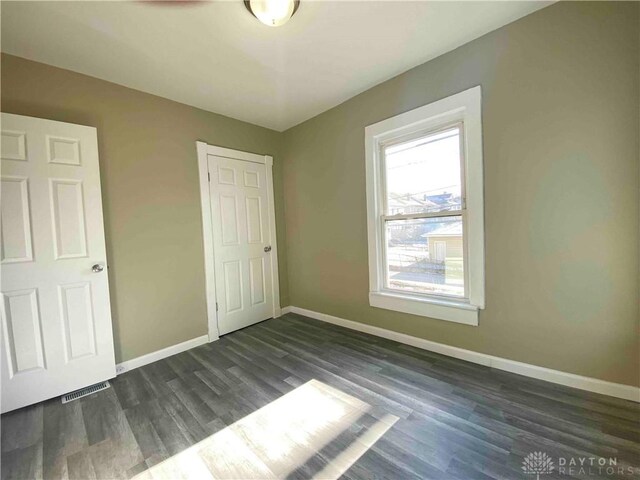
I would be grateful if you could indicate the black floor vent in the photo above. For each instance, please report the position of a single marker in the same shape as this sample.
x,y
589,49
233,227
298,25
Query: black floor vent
x,y
83,392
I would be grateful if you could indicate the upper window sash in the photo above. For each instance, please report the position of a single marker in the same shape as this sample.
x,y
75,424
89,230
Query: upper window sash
x,y
404,138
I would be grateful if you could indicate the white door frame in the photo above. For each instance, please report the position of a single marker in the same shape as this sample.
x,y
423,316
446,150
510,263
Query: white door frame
x,y
204,150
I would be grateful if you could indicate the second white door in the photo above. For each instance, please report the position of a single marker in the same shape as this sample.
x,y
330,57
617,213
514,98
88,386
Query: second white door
x,y
242,242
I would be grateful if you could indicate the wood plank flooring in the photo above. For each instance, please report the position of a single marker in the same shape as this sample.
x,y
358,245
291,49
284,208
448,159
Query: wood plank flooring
x,y
297,398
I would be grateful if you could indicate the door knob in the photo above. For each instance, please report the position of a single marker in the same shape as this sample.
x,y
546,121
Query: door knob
x,y
97,268
267,248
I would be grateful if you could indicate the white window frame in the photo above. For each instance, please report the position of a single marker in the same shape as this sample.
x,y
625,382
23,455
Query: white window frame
x,y
464,107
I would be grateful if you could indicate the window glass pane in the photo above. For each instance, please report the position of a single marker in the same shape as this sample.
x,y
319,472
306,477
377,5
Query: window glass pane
x,y
423,175
426,256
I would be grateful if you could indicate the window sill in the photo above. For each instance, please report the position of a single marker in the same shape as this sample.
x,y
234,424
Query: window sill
x,y
441,309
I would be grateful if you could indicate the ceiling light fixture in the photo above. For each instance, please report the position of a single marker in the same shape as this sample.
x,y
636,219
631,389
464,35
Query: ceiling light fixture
x,y
272,12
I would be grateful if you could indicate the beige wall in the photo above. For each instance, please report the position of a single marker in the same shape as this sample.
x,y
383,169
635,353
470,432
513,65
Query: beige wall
x,y
561,153
150,194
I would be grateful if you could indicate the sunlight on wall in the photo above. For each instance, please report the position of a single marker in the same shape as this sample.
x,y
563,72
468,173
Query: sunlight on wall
x,y
284,437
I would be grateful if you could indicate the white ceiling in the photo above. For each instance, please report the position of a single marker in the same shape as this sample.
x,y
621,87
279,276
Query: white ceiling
x,y
216,56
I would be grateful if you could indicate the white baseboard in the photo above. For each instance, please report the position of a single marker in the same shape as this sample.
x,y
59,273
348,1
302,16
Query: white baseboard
x,y
160,354
618,390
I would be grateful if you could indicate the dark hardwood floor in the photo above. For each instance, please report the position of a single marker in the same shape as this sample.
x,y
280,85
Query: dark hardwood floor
x,y
400,413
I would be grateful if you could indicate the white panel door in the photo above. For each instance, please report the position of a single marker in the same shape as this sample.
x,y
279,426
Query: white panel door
x,y
56,318
242,242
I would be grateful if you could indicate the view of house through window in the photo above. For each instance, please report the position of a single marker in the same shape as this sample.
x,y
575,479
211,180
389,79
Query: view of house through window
x,y
425,251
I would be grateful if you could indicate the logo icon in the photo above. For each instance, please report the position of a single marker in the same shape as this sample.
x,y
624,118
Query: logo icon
x,y
537,463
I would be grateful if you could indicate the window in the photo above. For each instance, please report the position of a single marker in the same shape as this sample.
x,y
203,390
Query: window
x,y
425,210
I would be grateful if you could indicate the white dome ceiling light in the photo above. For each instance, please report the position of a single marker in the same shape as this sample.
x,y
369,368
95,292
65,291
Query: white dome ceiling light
x,y
272,12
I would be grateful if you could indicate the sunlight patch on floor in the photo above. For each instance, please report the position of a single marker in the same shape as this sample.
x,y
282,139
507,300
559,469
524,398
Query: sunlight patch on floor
x,y
282,437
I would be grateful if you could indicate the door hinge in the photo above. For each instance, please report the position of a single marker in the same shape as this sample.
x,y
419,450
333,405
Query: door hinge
x,y
208,176
216,306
